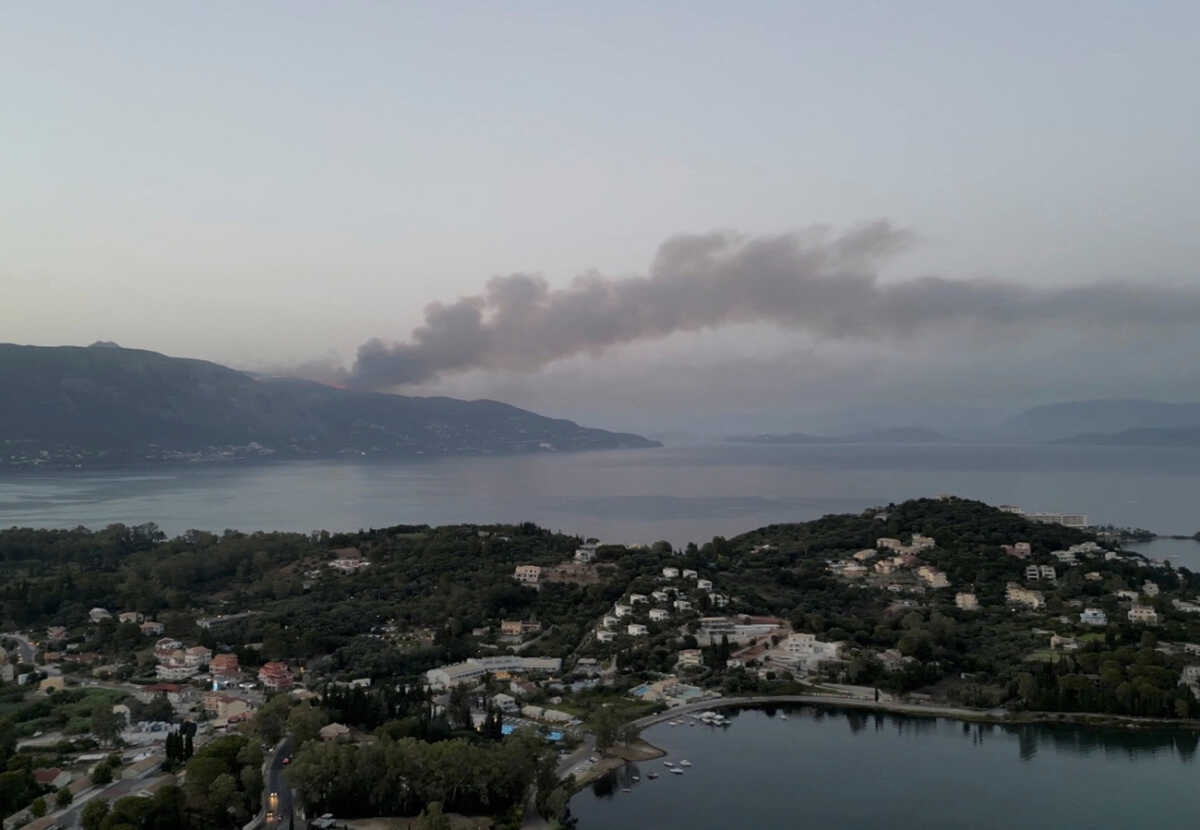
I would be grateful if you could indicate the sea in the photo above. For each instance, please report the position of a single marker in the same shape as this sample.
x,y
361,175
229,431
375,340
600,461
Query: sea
x,y
855,769
679,494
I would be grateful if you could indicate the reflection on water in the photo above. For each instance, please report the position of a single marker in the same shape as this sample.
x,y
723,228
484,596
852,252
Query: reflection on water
x,y
770,771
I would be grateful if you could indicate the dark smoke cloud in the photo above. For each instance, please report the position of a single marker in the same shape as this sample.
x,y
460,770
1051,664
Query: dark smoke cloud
x,y
814,281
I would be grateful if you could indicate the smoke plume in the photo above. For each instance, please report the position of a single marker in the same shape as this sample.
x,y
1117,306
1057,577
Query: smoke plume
x,y
815,281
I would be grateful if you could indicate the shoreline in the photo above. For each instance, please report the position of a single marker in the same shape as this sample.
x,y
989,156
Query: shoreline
x,y
929,710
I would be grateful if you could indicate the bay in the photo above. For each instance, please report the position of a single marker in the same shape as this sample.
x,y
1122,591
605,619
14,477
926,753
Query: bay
x,y
680,494
856,769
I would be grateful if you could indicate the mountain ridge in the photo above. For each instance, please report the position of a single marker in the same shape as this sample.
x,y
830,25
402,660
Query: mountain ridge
x,y
73,405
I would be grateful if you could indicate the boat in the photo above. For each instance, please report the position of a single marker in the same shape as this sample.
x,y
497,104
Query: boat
x,y
652,776
675,770
685,763
626,790
669,763
637,778
783,715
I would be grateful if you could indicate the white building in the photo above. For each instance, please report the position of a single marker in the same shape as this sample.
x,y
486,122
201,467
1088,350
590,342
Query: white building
x,y
682,605
688,573
98,614
718,600
967,601
660,596
1143,615
527,574
806,651
658,614
609,621
1032,573
670,573
1048,573
622,610
474,668
634,599
605,636
688,657
1149,589
637,630
704,584
586,552
1093,616
933,577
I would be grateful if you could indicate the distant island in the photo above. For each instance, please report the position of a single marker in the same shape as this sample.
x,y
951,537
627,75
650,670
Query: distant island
x,y
68,407
897,435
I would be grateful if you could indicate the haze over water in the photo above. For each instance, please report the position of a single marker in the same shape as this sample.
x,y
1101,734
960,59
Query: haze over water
x,y
680,494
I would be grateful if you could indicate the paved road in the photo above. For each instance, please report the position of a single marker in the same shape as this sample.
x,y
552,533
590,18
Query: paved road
x,y
25,649
280,801
115,790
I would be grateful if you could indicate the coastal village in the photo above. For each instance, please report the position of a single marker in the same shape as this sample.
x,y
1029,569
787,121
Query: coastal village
x,y
973,617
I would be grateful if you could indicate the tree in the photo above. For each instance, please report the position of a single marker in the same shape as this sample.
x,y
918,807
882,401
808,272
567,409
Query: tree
x,y
271,718
63,798
38,807
106,724
102,774
223,795
93,814
304,723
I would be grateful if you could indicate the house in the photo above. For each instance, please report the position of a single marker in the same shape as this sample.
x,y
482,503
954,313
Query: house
x,y
176,668
99,614
197,656
527,574
605,636
864,555
1143,615
718,600
52,777
1190,676
523,688
151,628
682,605
967,601
505,703
704,584
689,657
333,732
1093,616
1185,607
660,596
1149,589
1048,573
586,552
224,707
1093,576
348,560
1033,573
275,676
885,567
688,573
658,614
1019,595
805,651
55,633
888,543
637,630
223,667
854,570
634,599
1063,643
609,621
129,617
176,695
670,573
622,610
165,647
933,577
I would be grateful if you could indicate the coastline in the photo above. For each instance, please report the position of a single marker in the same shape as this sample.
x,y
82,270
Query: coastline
x,y
928,710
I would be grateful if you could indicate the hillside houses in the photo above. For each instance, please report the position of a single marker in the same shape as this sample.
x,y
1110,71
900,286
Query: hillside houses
x,y
1017,594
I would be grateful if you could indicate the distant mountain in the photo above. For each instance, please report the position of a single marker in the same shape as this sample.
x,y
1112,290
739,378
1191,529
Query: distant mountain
x,y
103,404
1146,437
1104,417
896,435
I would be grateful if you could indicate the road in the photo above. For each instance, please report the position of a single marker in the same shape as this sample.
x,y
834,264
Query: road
x,y
110,793
26,649
282,805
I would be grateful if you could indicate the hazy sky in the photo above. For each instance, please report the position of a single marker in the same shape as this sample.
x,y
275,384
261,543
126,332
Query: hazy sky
x,y
263,184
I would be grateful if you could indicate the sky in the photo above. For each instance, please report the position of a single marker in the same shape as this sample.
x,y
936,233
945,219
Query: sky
x,y
272,185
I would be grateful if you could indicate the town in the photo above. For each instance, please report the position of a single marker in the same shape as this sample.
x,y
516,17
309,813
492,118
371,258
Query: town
x,y
203,680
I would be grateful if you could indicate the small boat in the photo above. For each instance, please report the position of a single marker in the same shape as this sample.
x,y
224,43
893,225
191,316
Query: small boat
x,y
669,763
637,778
652,776
783,715
685,763
675,770
626,790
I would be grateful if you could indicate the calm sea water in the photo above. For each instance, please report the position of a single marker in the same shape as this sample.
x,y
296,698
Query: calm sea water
x,y
681,494
865,770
